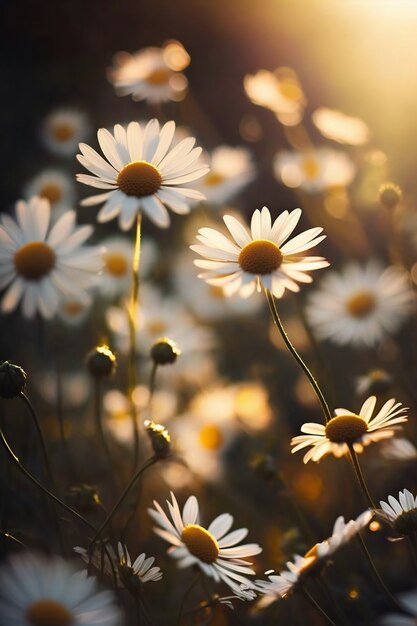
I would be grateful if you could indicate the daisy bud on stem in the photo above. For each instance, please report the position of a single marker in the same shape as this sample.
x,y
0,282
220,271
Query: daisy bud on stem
x,y
390,195
160,439
165,351
12,380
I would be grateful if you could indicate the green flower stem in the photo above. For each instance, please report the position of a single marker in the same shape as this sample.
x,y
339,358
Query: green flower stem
x,y
35,419
184,599
151,461
392,600
359,475
317,606
132,309
297,357
34,481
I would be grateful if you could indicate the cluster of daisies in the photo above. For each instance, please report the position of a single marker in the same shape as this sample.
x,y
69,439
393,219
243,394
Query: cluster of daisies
x,y
145,169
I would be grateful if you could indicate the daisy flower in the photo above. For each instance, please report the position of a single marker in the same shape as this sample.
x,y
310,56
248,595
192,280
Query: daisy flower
x,y
401,514
231,170
141,173
41,591
214,549
361,305
339,127
140,568
279,91
54,185
259,257
41,264
349,429
63,129
312,563
399,449
74,310
116,276
314,170
151,74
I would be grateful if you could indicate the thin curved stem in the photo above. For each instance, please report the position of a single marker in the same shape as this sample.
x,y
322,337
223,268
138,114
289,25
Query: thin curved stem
x,y
184,599
392,600
148,463
35,419
318,607
13,539
132,315
359,475
297,357
39,485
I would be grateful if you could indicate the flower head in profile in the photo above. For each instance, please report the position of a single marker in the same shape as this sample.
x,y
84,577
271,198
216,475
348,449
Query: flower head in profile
x,y
35,590
63,129
361,305
151,74
141,568
312,563
214,550
350,429
42,264
263,256
231,170
401,514
141,173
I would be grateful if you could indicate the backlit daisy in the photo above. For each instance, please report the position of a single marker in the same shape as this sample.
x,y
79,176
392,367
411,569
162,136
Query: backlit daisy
x,y
259,257
55,186
231,169
360,305
63,130
140,568
402,513
312,563
141,173
40,264
339,127
214,549
399,449
315,170
152,74
38,591
348,428
279,91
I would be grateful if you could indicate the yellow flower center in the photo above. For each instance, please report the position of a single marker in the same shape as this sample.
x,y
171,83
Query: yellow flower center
x,y
200,543
140,179
310,167
260,257
361,304
48,613
346,428
63,131
72,308
290,90
116,264
210,437
34,260
213,179
160,76
51,192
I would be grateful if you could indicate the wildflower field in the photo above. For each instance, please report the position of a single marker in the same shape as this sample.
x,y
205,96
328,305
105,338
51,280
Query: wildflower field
x,y
208,346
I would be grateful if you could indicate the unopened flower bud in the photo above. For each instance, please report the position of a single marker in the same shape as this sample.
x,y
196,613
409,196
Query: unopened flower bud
x,y
390,195
12,380
164,351
160,438
101,362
